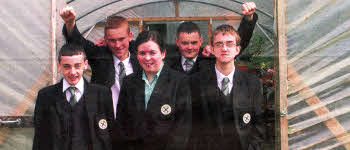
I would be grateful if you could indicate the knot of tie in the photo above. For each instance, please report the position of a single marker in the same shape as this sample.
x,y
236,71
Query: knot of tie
x,y
122,73
72,100
188,64
224,86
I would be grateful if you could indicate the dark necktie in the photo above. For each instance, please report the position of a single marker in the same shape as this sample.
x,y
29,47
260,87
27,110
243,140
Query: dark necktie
x,y
122,73
224,86
188,64
72,100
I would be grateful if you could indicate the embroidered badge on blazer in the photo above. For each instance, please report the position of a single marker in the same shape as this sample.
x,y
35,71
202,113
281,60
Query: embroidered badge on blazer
x,y
102,124
165,109
246,118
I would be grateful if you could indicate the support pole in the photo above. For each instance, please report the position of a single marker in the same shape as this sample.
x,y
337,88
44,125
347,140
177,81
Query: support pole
x,y
53,27
281,76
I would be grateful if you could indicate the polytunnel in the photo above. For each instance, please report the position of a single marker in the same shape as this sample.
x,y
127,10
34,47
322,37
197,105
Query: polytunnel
x,y
304,41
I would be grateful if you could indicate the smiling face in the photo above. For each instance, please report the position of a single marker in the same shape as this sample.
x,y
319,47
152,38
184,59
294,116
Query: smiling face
x,y
72,68
150,57
189,44
225,48
117,40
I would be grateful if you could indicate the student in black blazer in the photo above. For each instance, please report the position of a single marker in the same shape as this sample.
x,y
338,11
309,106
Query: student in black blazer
x,y
188,41
79,119
104,60
227,103
159,118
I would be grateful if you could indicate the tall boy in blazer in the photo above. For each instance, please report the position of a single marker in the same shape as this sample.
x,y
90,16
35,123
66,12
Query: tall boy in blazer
x,y
73,114
227,103
109,63
154,112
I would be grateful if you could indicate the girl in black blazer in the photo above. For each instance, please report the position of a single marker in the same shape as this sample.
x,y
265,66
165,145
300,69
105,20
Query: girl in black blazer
x,y
154,110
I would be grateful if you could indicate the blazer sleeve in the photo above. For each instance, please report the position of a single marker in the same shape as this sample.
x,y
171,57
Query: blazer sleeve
x,y
179,137
245,31
41,132
259,135
91,50
108,105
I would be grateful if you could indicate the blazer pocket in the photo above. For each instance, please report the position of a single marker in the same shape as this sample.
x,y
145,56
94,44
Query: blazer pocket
x,y
101,124
246,117
166,113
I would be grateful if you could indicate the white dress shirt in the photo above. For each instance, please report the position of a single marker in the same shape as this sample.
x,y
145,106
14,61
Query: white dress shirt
x,y
78,93
116,86
221,76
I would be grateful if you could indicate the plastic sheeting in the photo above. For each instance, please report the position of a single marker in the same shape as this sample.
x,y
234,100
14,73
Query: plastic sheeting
x,y
318,40
25,42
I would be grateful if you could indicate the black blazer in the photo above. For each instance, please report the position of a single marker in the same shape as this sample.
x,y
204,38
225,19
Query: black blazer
x,y
151,129
100,58
245,31
50,119
207,117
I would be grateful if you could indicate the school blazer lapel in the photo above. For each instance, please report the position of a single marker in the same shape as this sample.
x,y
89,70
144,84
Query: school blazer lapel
x,y
159,89
214,104
62,106
140,93
90,102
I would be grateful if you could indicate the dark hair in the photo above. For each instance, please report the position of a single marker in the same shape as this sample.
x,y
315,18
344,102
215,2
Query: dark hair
x,y
146,36
226,29
114,22
187,27
71,50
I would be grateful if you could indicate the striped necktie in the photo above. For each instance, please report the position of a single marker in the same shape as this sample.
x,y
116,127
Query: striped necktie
x,y
224,86
72,100
188,64
122,73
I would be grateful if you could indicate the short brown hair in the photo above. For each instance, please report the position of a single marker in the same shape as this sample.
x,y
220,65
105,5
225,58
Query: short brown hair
x,y
70,49
226,29
114,22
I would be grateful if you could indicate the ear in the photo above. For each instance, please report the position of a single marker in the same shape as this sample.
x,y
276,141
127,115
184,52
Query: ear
x,y
86,64
59,67
200,39
237,50
130,36
163,54
177,41
105,38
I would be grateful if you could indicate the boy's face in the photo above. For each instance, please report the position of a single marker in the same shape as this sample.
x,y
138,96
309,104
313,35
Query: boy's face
x,y
189,44
72,68
118,41
225,48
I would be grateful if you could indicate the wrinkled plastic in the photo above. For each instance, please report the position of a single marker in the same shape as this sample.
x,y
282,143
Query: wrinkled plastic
x,y
318,40
25,42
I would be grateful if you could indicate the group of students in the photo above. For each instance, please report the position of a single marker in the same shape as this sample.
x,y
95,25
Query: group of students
x,y
140,99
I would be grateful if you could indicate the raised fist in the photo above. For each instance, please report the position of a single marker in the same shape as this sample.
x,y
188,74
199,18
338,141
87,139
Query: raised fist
x,y
68,15
248,8
207,50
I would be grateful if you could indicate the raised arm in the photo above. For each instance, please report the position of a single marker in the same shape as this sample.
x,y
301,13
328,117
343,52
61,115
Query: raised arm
x,y
68,15
247,24
72,35
246,27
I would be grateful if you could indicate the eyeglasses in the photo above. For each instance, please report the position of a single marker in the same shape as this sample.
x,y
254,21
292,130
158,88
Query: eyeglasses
x,y
229,44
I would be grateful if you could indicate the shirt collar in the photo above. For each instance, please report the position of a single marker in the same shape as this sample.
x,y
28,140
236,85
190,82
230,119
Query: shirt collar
x,y
79,85
183,59
221,76
117,61
144,77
